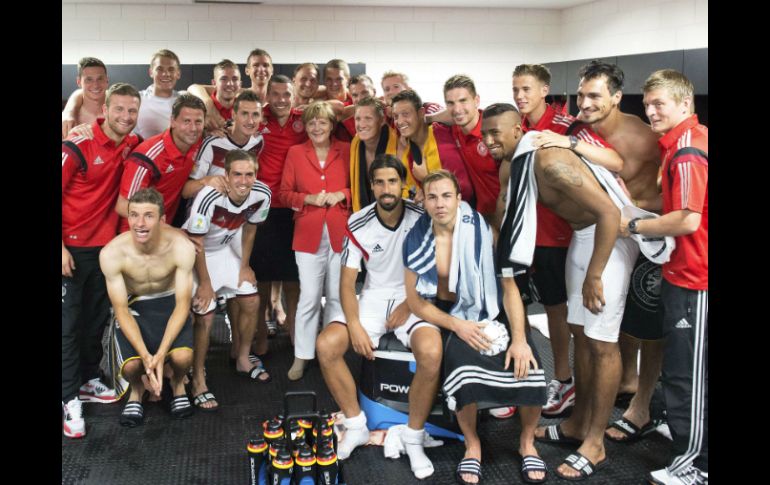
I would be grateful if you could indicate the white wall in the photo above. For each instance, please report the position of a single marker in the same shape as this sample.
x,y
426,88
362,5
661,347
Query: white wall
x,y
430,44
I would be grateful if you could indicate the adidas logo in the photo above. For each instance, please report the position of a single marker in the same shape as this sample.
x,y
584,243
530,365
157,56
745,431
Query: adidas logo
x,y
682,324
170,169
377,249
98,160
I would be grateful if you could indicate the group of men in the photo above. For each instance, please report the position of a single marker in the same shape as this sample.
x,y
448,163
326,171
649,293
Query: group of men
x,y
523,194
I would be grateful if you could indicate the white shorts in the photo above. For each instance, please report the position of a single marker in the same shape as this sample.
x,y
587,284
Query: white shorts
x,y
374,308
615,279
224,267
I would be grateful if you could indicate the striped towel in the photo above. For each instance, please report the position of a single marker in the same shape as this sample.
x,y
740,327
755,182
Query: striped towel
x,y
472,259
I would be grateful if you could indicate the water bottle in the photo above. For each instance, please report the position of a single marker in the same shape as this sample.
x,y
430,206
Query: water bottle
x,y
307,428
256,449
304,466
327,466
273,430
281,468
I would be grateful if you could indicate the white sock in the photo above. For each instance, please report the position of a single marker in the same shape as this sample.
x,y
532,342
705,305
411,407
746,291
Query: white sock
x,y
413,442
356,434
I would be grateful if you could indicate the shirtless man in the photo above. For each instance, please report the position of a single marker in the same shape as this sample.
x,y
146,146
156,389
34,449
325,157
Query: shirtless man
x,y
153,263
599,95
85,104
531,84
479,372
598,271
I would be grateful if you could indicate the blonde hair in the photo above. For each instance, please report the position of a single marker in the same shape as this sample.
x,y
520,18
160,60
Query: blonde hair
x,y
677,85
441,174
388,74
319,109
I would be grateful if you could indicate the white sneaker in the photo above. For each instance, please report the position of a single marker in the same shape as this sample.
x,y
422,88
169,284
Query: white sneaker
x,y
96,391
560,397
504,412
74,424
689,476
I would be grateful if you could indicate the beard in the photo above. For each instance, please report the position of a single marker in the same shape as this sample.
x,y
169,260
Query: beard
x,y
387,202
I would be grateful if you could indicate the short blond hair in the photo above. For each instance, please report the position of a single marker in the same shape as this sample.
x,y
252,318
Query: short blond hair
x,y
319,109
388,74
441,174
676,83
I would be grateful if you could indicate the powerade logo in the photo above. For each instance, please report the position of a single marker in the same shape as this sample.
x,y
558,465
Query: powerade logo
x,y
394,388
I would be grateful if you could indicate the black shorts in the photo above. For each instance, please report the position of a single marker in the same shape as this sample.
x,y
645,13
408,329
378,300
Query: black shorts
x,y
548,275
642,318
272,258
151,313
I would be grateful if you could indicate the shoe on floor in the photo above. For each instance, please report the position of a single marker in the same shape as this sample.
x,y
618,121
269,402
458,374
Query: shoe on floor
x,y
560,398
96,391
74,425
689,476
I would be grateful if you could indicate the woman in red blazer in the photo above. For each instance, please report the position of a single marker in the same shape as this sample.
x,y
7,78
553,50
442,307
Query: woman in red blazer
x,y
316,184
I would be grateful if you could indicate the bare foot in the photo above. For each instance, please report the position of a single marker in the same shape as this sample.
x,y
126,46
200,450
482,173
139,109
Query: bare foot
x,y
528,449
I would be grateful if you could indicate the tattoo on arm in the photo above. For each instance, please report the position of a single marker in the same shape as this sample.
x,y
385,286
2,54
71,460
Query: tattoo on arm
x,y
561,173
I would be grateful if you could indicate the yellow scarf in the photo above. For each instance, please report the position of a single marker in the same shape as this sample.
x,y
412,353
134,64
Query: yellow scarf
x,y
360,190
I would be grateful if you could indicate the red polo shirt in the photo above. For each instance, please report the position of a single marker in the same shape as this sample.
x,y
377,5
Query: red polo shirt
x,y
158,163
552,230
482,168
90,176
684,180
278,140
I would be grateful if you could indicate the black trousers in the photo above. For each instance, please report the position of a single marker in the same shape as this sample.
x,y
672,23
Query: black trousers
x,y
85,311
685,374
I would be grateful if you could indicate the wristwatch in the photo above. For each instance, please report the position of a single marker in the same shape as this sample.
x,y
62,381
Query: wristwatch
x,y
632,225
573,141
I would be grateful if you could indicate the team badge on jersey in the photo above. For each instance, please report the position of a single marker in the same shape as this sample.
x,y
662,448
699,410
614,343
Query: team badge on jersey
x,y
298,126
126,151
481,148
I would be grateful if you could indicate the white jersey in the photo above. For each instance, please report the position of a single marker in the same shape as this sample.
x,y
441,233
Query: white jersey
x,y
154,113
381,246
219,219
211,156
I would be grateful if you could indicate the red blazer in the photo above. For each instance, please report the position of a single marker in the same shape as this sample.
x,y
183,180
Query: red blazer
x,y
303,175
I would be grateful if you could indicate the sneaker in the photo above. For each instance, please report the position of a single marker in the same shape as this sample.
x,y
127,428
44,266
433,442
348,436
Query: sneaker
x,y
74,424
96,391
560,397
503,413
689,476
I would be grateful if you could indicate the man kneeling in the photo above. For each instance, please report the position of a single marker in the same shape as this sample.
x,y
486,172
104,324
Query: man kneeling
x,y
376,233
153,263
450,281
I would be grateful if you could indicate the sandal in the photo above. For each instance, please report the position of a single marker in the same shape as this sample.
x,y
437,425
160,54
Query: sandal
x,y
554,434
203,398
532,463
255,372
633,432
132,415
471,466
581,464
180,407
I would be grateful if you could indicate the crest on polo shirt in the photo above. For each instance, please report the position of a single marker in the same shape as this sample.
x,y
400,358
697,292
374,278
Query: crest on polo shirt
x,y
126,151
481,149
298,126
